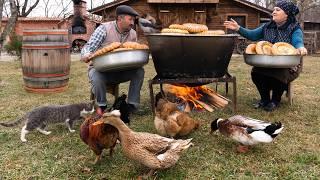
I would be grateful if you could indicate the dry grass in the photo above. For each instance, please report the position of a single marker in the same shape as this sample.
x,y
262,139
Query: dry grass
x,y
294,155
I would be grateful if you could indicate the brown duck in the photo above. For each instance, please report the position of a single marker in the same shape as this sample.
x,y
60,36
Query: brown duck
x,y
151,150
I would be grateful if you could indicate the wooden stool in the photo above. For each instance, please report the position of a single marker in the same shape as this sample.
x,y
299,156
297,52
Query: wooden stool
x,y
111,89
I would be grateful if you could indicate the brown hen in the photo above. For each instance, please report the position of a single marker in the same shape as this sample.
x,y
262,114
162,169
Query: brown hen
x,y
170,121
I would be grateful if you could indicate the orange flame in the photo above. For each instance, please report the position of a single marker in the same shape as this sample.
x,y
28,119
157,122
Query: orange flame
x,y
189,94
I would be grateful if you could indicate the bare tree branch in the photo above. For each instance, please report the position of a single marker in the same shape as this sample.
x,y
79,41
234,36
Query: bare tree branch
x,y
46,8
23,10
24,13
5,8
64,9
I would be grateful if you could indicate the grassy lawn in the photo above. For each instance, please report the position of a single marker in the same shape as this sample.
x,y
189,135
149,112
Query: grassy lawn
x,y
295,154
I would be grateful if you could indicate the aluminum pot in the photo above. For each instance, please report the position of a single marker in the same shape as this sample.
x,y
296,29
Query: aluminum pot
x,y
121,60
191,56
267,61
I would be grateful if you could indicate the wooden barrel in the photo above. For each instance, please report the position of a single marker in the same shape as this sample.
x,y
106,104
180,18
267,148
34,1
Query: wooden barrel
x,y
45,60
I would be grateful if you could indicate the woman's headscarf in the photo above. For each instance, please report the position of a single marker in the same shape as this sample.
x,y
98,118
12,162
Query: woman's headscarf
x,y
289,8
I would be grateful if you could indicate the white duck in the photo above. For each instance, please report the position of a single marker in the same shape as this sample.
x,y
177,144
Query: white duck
x,y
247,131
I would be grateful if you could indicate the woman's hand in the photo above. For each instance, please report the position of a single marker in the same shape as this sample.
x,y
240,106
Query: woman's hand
x,y
233,25
302,51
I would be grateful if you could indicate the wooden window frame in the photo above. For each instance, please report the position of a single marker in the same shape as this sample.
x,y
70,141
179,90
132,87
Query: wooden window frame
x,y
237,14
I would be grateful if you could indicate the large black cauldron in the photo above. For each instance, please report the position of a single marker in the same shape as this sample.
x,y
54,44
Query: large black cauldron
x,y
191,56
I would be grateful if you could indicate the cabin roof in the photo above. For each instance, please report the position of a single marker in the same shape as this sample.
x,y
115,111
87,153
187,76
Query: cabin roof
x,y
118,2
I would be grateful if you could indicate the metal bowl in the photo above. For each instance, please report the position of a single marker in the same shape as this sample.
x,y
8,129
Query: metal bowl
x,y
121,60
283,61
191,55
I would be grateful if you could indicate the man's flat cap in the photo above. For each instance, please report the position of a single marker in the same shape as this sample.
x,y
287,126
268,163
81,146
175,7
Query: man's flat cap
x,y
123,9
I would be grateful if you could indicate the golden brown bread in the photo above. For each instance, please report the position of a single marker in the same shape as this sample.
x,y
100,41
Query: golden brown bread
x,y
195,28
117,46
143,46
177,31
134,45
283,48
264,47
106,49
177,26
121,49
212,32
267,48
251,49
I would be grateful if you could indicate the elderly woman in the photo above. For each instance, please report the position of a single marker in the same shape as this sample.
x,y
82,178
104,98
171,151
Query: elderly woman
x,y
282,28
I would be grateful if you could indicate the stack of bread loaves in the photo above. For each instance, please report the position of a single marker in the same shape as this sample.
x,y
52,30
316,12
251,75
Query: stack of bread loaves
x,y
191,28
267,48
117,46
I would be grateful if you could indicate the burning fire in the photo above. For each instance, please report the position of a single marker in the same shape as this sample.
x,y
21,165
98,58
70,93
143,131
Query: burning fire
x,y
200,97
187,94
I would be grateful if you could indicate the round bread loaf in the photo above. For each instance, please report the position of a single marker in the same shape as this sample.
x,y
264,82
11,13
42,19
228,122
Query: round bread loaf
x,y
283,48
143,46
195,28
264,47
176,31
212,32
121,49
177,26
132,45
106,49
251,49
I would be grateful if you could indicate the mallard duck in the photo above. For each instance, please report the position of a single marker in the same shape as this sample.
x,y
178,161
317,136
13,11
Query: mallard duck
x,y
151,150
170,121
246,130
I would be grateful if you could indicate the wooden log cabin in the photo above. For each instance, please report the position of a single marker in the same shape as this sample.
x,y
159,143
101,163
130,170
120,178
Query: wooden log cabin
x,y
210,12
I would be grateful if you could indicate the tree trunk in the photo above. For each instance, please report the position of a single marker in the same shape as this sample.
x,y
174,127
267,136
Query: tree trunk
x,y
1,10
11,22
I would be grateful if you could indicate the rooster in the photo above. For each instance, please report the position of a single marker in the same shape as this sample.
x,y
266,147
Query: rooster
x,y
98,137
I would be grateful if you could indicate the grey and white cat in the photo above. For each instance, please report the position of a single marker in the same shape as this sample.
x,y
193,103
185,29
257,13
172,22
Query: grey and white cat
x,y
40,117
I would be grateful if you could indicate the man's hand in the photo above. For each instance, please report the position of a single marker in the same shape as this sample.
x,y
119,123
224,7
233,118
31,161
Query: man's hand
x,y
86,58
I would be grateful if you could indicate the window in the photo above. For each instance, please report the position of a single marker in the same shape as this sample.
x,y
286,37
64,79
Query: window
x,y
241,20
